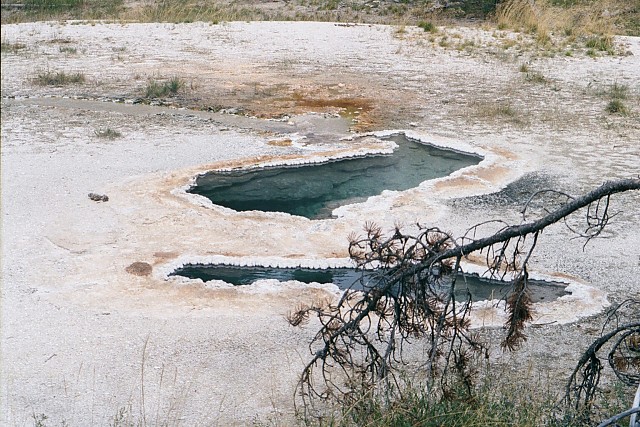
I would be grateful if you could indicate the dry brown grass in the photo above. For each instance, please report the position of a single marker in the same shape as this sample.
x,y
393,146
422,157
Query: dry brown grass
x,y
582,21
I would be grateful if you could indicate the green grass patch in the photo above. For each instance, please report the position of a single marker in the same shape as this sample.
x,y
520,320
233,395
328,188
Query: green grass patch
x,y
428,27
59,78
170,87
602,43
617,93
68,49
616,106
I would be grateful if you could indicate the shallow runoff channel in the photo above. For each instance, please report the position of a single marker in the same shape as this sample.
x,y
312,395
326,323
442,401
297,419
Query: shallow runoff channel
x,y
314,191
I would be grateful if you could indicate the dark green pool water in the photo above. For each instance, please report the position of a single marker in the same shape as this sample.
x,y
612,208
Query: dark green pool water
x,y
313,191
344,278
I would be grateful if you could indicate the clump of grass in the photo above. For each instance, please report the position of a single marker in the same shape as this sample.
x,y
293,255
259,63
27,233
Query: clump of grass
x,y
107,133
488,405
504,111
535,77
554,22
617,94
12,47
523,15
524,68
68,49
39,420
499,111
618,91
428,27
59,78
156,89
52,5
616,106
603,43
400,30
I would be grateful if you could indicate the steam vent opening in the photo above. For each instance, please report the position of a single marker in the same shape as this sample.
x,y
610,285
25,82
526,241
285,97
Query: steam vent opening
x,y
314,191
345,278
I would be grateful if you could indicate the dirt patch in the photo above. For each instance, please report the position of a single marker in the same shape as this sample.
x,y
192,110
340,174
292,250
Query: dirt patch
x,y
139,269
285,142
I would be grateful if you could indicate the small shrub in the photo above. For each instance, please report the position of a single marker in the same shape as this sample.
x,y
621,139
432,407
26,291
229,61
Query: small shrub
x,y
67,49
39,420
535,77
12,47
618,91
616,106
524,68
59,78
602,43
107,133
158,90
428,27
505,111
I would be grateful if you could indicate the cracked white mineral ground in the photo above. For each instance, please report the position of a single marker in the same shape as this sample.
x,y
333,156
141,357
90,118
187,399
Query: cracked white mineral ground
x,y
87,333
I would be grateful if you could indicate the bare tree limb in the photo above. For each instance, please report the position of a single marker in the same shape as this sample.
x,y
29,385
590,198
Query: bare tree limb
x,y
409,296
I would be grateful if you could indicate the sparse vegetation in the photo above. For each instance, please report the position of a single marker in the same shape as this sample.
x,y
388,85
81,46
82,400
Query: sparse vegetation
x,y
535,77
58,78
617,94
39,420
156,89
579,18
616,106
600,42
618,91
496,111
562,23
12,47
428,27
107,133
490,404
68,49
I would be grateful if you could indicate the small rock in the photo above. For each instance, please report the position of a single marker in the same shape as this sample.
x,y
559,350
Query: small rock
x,y
98,197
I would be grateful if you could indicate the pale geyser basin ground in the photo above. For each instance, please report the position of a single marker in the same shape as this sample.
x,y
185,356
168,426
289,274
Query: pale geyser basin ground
x,y
82,338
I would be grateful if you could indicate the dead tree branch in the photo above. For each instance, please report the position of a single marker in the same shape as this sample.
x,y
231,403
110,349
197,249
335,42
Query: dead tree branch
x,y
410,296
623,357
